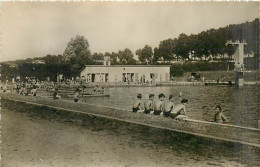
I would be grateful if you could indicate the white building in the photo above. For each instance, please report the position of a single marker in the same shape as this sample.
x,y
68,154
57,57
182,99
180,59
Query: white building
x,y
126,73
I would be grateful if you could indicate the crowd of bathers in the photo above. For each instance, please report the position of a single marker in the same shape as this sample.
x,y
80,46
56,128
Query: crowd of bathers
x,y
168,109
160,106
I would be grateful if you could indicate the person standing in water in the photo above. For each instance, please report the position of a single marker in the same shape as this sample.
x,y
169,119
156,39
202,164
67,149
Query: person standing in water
x,y
158,105
149,104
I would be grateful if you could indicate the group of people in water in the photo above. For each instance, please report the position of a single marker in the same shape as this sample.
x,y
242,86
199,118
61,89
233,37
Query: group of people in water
x,y
159,107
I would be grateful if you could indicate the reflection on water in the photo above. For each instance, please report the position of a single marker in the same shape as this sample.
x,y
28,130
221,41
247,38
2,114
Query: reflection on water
x,y
241,106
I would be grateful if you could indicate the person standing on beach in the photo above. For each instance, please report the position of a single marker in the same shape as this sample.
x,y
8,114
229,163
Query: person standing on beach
x,y
158,105
149,104
137,103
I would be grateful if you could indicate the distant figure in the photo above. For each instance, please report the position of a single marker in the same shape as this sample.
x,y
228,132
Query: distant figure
x,y
95,89
56,95
21,91
76,95
168,106
203,79
158,106
34,90
180,94
137,103
219,116
4,88
149,104
102,90
180,109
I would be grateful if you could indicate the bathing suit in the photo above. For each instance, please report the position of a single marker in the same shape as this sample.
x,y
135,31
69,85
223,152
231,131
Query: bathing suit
x,y
167,114
135,109
147,111
157,112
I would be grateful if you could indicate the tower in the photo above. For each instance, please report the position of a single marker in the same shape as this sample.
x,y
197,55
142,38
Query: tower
x,y
239,61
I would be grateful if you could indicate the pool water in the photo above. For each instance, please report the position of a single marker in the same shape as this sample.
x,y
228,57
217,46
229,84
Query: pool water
x,y
240,106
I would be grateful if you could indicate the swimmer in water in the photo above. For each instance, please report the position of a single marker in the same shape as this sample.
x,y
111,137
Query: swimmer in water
x,y
219,116
158,105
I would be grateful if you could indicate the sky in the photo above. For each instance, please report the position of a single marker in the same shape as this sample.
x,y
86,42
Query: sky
x,y
35,29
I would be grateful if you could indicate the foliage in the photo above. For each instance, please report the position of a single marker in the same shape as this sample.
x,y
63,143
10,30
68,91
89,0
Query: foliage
x,y
145,54
178,69
77,52
126,56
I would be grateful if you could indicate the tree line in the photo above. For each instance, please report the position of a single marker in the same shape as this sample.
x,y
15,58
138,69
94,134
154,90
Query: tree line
x,y
206,45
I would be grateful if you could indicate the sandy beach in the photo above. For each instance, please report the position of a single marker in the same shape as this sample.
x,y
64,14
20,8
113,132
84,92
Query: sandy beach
x,y
28,140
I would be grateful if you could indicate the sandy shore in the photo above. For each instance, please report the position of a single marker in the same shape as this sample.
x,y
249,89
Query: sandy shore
x,y
29,140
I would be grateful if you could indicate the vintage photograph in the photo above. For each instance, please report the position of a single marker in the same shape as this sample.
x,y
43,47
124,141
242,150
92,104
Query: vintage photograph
x,y
129,84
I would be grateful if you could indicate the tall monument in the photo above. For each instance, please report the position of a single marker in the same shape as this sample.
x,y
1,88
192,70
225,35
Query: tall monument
x,y
239,61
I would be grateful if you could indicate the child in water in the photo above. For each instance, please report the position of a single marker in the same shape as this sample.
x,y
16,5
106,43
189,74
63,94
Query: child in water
x,y
219,116
137,103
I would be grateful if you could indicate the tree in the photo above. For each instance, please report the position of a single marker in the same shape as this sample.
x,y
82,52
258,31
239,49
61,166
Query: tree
x,y
126,56
156,55
113,57
98,56
166,49
145,55
78,50
52,58
181,47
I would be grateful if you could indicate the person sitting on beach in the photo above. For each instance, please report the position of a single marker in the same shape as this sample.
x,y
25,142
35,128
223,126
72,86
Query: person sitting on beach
x,y
56,95
149,104
21,90
4,88
95,89
168,106
219,116
158,105
76,95
179,109
137,103
34,90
